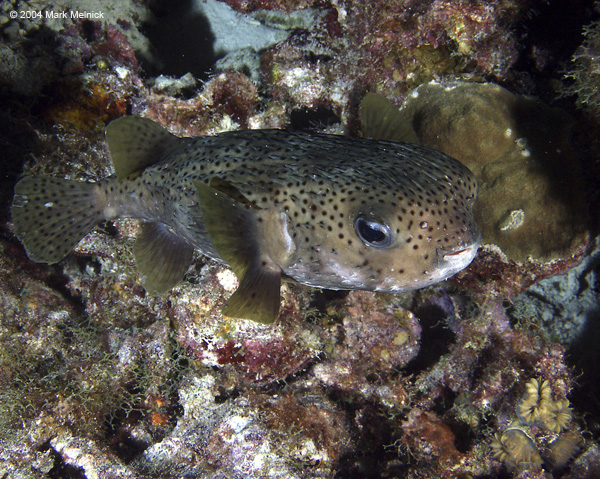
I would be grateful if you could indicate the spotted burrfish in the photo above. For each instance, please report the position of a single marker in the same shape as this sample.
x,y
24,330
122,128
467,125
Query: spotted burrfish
x,y
327,211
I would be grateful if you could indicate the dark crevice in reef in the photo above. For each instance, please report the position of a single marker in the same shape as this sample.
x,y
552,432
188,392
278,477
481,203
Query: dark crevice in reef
x,y
464,435
545,54
374,430
121,423
182,41
62,470
59,281
226,394
464,438
320,301
135,412
435,335
584,357
313,118
18,141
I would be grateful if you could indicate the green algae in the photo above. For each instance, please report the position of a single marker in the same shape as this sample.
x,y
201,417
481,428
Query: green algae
x,y
583,76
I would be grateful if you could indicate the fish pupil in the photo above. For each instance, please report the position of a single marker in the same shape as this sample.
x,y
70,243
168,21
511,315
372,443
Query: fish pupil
x,y
373,233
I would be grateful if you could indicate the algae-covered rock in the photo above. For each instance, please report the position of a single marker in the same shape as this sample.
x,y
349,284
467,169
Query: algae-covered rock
x,y
530,201
583,76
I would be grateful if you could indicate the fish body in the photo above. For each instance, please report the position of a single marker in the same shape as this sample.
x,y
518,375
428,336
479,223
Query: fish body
x,y
327,211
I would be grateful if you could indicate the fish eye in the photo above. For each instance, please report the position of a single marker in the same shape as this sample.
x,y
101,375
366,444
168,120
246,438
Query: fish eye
x,y
373,233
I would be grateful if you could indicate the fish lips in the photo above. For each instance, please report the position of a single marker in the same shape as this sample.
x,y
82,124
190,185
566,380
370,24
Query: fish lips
x,y
454,261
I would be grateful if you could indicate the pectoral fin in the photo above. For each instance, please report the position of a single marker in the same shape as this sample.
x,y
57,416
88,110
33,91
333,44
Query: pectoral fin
x,y
257,297
161,256
236,236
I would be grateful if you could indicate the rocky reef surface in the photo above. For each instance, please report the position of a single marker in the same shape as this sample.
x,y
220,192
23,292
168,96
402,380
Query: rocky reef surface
x,y
493,373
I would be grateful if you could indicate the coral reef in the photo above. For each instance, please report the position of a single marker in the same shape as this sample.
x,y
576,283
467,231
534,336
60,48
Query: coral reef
x,y
28,69
98,378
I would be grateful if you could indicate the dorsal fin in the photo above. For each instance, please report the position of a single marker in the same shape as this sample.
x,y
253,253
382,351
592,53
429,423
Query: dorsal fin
x,y
382,120
136,143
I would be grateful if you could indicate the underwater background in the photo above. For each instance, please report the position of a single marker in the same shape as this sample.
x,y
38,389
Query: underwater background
x,y
494,373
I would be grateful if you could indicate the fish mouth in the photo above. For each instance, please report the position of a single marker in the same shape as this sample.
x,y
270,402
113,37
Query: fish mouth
x,y
464,253
460,258
459,252
454,261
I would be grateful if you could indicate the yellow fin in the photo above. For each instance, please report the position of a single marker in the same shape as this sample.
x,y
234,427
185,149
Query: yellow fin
x,y
234,233
162,257
136,143
382,120
257,298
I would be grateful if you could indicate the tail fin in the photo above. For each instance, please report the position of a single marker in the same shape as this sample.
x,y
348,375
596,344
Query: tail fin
x,y
52,215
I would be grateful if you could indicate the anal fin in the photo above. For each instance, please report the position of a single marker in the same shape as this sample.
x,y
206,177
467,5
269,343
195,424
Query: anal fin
x,y
161,256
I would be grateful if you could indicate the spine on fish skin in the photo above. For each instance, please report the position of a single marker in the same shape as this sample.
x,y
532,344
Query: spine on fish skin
x,y
51,215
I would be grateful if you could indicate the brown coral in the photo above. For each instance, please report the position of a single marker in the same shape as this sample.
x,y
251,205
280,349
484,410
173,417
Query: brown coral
x,y
516,449
538,407
559,417
537,403
563,448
